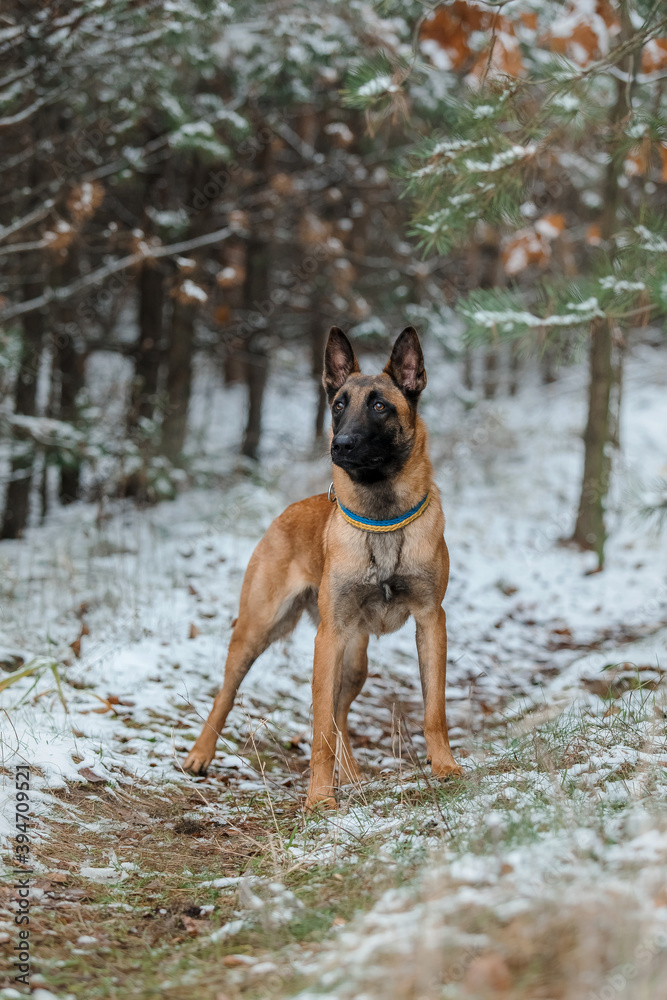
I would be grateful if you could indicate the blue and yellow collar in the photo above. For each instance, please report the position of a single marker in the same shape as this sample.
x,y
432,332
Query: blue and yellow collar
x,y
392,524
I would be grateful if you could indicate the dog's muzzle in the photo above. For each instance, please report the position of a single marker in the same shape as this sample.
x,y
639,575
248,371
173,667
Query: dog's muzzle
x,y
343,445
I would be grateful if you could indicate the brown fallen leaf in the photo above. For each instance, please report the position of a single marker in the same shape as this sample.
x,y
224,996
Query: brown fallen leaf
x,y
59,877
76,645
113,699
10,662
89,775
109,703
194,631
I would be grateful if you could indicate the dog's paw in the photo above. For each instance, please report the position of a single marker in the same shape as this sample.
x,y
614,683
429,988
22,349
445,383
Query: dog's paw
x,y
321,794
197,761
446,767
316,802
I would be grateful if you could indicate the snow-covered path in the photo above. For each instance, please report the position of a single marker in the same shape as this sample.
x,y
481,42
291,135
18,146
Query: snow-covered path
x,y
154,591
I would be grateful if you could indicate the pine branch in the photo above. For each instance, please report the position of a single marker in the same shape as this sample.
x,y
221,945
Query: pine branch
x,y
31,217
97,277
651,504
26,113
633,283
374,81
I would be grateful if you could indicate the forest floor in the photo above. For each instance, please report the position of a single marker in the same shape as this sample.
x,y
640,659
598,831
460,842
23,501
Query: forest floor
x,y
541,873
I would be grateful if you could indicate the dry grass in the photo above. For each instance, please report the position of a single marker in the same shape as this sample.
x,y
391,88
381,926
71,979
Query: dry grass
x,y
153,928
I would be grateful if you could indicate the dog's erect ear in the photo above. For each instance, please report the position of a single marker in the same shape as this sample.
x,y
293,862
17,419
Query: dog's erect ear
x,y
339,362
406,365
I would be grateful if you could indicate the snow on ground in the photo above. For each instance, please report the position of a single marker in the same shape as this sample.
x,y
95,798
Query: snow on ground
x,y
134,608
519,605
426,935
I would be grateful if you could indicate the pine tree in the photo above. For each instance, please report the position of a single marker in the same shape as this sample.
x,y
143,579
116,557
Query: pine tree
x,y
552,130
151,126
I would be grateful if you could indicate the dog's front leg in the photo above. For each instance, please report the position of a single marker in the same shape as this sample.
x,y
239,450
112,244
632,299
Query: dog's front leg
x,y
327,678
432,650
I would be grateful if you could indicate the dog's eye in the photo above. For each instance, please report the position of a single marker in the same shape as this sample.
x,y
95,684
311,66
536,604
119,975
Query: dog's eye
x,y
379,406
339,405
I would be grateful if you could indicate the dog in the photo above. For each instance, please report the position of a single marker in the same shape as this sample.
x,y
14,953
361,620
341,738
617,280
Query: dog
x,y
361,559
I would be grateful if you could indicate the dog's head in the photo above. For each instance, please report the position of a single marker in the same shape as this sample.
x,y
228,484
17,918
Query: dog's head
x,y
373,416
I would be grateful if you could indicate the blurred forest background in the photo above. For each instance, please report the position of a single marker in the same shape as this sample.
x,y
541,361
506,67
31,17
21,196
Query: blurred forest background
x,y
191,193
196,178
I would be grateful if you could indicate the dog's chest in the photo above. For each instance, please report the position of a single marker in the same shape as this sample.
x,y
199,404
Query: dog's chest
x,y
377,597
384,560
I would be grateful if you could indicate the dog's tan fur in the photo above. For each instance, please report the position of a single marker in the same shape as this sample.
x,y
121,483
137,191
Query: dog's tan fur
x,y
312,559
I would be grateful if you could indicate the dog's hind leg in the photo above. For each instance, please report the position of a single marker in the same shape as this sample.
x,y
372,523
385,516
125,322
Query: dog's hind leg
x,y
270,608
247,642
354,673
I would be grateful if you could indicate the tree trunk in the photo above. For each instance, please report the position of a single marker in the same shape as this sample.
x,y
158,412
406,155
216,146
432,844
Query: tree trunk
x,y
179,380
67,376
255,375
468,380
72,364
515,368
616,396
490,373
489,277
548,365
321,411
256,363
17,500
589,530
317,357
147,358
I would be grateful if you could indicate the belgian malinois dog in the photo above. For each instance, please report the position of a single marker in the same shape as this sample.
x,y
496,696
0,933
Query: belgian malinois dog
x,y
361,559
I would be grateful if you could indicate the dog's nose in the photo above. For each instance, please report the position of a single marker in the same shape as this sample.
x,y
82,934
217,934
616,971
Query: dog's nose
x,y
343,444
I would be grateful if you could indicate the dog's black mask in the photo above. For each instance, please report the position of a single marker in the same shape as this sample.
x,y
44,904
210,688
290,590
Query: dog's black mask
x,y
369,441
373,415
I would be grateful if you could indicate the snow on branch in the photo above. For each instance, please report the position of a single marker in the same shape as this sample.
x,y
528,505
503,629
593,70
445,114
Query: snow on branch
x,y
102,273
513,320
651,241
45,430
26,113
33,216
